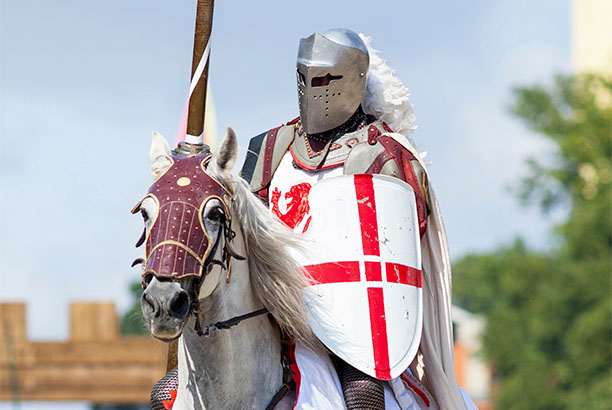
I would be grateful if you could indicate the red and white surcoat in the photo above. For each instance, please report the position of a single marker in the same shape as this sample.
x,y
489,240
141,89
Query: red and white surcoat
x,y
281,175
318,384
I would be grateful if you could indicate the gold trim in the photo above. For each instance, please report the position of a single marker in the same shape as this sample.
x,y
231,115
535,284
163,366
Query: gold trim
x,y
136,207
204,162
204,202
154,273
146,272
154,221
180,245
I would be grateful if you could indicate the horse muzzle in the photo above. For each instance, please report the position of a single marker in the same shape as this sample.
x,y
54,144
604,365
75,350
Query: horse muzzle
x,y
165,307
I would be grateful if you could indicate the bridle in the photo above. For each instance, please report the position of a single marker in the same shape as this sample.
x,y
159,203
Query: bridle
x,y
228,234
225,263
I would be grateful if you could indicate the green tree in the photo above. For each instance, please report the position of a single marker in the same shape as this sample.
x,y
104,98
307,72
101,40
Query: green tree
x,y
132,322
549,321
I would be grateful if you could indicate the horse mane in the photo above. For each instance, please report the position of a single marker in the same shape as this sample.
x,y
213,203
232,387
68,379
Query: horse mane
x,y
275,276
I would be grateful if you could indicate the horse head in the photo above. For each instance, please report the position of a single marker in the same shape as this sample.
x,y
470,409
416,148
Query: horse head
x,y
201,223
187,233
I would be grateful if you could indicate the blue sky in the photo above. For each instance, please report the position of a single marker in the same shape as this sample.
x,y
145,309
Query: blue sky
x,y
83,84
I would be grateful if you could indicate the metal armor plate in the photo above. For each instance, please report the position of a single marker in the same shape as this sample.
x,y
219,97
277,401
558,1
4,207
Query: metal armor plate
x,y
365,301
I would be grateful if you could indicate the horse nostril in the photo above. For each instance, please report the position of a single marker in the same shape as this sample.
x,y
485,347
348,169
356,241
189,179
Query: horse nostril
x,y
149,304
180,305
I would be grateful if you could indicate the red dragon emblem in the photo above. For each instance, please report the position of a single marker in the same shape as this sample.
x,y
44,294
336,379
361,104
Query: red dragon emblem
x,y
297,204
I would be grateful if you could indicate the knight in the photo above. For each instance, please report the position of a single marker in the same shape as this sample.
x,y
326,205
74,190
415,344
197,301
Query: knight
x,y
355,117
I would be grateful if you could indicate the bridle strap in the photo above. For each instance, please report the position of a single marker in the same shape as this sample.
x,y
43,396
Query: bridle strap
x,y
281,393
225,263
226,324
288,381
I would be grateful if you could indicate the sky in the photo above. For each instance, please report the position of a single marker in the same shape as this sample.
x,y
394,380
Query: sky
x,y
83,84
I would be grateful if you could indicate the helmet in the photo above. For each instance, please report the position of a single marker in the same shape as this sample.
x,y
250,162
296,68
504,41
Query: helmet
x,y
331,78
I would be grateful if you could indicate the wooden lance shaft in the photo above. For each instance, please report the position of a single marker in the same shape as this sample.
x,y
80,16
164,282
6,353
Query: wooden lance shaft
x,y
197,105
197,102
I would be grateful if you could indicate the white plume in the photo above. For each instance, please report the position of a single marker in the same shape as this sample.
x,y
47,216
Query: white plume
x,y
386,96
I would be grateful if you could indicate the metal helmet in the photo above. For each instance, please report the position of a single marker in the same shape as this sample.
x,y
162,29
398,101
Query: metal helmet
x,y
331,78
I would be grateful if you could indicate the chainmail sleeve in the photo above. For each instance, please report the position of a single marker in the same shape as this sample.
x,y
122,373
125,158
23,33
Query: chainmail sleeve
x,y
161,391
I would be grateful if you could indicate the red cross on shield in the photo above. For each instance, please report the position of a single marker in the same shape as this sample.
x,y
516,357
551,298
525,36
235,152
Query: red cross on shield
x,y
365,302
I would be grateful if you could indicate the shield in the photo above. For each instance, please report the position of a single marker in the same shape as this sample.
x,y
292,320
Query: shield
x,y
365,301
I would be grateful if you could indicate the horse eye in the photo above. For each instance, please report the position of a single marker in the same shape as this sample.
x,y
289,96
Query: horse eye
x,y
216,214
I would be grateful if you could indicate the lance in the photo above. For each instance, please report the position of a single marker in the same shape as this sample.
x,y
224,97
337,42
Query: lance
x,y
194,139
194,143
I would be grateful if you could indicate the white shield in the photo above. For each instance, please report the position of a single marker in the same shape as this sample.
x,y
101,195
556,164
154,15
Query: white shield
x,y
366,304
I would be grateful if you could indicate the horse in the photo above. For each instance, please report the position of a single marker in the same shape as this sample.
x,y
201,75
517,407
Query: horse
x,y
219,277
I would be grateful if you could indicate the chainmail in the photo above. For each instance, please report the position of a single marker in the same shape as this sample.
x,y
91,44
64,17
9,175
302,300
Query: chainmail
x,y
358,120
361,392
161,390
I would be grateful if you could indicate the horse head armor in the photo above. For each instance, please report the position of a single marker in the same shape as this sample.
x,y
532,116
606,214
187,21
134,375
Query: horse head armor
x,y
177,244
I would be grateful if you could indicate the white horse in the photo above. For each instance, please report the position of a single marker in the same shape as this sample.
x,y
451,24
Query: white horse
x,y
238,367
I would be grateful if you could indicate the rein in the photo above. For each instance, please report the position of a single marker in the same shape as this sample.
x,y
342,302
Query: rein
x,y
226,324
228,253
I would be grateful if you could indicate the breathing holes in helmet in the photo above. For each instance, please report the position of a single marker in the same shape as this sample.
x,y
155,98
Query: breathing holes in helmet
x,y
324,81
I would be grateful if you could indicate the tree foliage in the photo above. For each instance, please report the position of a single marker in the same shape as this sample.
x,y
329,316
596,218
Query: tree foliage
x,y
549,321
132,322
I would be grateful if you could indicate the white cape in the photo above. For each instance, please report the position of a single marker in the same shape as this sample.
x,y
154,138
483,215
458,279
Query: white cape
x,y
319,388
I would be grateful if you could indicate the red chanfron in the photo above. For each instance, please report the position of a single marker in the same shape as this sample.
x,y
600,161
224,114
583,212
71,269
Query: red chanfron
x,y
297,204
177,243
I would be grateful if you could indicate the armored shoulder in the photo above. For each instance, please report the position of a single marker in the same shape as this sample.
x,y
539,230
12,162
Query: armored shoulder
x,y
386,156
265,152
251,157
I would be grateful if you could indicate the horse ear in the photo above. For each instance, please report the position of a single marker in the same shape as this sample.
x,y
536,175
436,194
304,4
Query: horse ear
x,y
226,155
159,155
